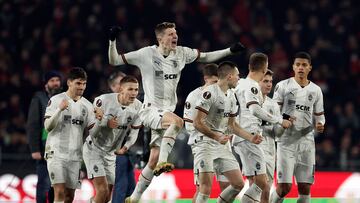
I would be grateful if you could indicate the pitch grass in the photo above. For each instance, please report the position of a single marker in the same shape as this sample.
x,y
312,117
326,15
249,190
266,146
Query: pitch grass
x,y
288,200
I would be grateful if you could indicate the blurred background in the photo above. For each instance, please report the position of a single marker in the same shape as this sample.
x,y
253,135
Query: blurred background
x,y
41,35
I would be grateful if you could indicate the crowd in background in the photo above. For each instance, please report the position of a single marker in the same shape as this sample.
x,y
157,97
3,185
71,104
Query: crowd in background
x,y
41,35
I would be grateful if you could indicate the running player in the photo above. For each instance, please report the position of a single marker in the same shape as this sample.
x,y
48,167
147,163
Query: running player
x,y
251,115
216,114
67,117
119,124
302,99
160,67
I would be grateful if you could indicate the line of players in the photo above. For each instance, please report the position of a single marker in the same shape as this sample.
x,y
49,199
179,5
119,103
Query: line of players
x,y
116,118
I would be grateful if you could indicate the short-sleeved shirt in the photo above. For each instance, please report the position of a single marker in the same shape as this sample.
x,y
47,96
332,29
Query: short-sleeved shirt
x,y
161,75
218,106
108,139
66,139
248,92
299,102
190,112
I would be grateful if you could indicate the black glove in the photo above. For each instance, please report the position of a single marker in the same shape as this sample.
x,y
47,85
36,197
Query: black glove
x,y
237,48
114,32
286,116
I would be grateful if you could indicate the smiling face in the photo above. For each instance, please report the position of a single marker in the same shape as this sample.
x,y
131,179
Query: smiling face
x,y
301,67
129,92
168,39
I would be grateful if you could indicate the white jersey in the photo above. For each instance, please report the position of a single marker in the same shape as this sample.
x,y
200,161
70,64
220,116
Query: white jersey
x,y
190,112
273,108
161,75
218,106
299,102
108,139
248,92
66,139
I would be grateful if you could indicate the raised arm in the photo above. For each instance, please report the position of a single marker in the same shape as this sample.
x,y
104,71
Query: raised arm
x,y
51,121
216,55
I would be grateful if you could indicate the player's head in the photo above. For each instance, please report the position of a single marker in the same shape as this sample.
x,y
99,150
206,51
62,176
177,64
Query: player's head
x,y
228,71
302,64
77,81
129,89
210,73
52,80
258,62
114,81
267,82
166,35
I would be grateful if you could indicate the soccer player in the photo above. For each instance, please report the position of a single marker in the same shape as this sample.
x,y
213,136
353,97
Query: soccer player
x,y
216,113
210,77
67,117
119,123
160,67
124,168
300,98
37,134
270,132
250,119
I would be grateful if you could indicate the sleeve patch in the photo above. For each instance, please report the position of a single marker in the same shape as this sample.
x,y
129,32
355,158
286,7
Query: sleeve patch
x,y
207,95
254,90
98,103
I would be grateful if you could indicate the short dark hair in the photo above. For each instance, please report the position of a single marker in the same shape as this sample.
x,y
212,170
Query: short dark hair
x,y
163,26
269,72
257,61
303,55
210,70
128,78
115,75
225,68
77,73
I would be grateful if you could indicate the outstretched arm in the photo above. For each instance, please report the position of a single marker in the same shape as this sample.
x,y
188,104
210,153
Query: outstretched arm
x,y
216,55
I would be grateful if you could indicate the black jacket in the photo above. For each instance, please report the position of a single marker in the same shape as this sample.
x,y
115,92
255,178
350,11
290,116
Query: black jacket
x,y
35,122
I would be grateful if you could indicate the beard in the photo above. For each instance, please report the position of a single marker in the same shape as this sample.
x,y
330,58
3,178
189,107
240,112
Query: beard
x,y
54,91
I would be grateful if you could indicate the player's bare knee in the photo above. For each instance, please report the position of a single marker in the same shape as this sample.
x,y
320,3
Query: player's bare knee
x,y
283,189
238,185
304,188
179,122
260,181
103,191
205,189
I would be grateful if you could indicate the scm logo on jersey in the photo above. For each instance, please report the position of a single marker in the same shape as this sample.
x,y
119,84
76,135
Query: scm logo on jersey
x,y
170,76
302,107
77,122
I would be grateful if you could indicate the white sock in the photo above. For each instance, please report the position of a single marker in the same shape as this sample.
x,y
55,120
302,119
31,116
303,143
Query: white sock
x,y
253,194
228,195
275,198
303,199
58,201
201,198
167,142
145,179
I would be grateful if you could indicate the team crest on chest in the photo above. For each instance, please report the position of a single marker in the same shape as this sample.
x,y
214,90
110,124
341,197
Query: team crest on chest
x,y
310,97
175,63
207,95
129,119
83,112
187,105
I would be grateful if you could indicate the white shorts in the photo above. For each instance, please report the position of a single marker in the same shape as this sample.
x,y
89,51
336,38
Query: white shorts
x,y
252,158
156,137
98,163
268,146
219,177
64,171
151,116
211,156
296,159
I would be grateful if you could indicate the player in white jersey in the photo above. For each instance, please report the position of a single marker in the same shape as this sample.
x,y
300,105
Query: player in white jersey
x,y
160,66
210,77
119,124
270,132
250,118
216,114
67,116
302,99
